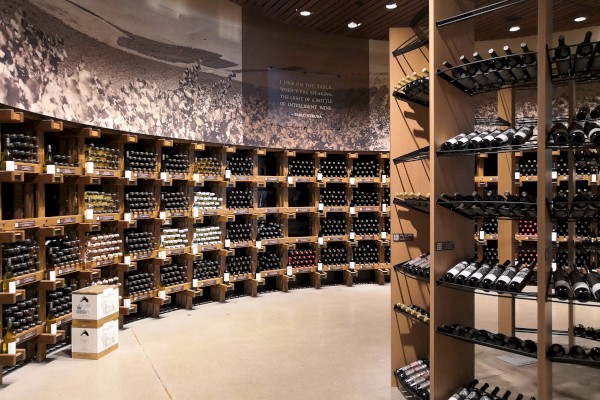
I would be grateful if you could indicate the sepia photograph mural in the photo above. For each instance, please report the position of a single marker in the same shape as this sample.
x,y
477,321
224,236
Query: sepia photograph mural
x,y
177,68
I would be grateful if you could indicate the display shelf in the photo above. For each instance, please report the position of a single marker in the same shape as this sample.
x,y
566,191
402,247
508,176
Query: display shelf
x,y
417,155
413,276
584,75
496,209
417,205
487,344
575,361
490,292
411,317
531,145
572,213
419,94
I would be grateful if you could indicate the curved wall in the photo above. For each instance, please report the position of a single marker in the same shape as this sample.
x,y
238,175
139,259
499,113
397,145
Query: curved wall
x,y
170,68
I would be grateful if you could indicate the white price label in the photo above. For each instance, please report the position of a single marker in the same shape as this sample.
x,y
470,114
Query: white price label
x,y
52,276
320,240
197,178
226,277
384,207
554,236
164,176
196,213
352,265
51,169
352,180
352,210
320,266
383,178
127,217
321,207
594,178
163,215
10,165
128,175
195,283
162,254
554,175
383,235
289,271
290,180
517,175
89,214
352,235
12,348
127,260
53,329
227,174
258,244
319,176
194,249
162,294
554,266
89,167
227,243
127,303
481,234
12,287
258,277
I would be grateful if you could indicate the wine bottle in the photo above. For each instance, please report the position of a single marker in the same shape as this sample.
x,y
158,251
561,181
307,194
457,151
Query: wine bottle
x,y
460,75
582,54
473,71
581,290
488,140
556,350
475,279
9,342
576,133
530,60
492,395
559,134
562,56
7,156
515,63
503,280
593,280
522,135
577,352
500,65
504,138
477,393
486,68
465,274
582,113
464,391
488,281
594,353
457,269
464,141
520,280
562,286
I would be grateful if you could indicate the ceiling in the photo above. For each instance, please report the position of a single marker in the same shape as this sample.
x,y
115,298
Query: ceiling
x,y
333,16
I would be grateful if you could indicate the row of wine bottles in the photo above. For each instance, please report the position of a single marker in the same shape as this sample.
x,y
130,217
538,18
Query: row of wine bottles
x,y
585,59
418,266
415,378
415,86
486,275
575,352
497,339
416,311
491,205
576,283
484,140
472,392
575,134
587,333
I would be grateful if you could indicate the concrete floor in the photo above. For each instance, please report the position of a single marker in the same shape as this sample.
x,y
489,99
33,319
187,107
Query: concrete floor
x,y
308,344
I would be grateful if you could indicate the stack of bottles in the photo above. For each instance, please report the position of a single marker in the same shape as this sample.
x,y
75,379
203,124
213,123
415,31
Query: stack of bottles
x,y
577,283
240,165
268,230
334,256
365,198
21,316
173,238
299,167
333,168
365,169
174,201
19,258
366,253
299,258
207,166
59,301
268,261
205,269
139,242
240,198
333,225
63,251
494,139
140,161
207,201
333,198
238,265
138,282
20,147
239,231
575,352
139,202
101,202
103,246
416,311
207,235
415,378
498,339
102,157
175,163
171,275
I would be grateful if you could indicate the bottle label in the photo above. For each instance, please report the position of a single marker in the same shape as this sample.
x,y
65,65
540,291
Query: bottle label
x,y
12,348
562,283
580,285
456,269
289,271
467,271
490,277
51,169
489,138
596,289
477,276
226,277
504,278
502,138
518,279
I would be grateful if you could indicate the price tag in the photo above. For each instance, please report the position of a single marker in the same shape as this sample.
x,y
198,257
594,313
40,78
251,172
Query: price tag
x,y
226,277
195,283
52,276
258,277
164,176
554,266
10,166
352,265
227,174
197,178
162,294
594,178
163,215
195,213
127,260
162,254
321,207
89,167
352,235
383,235
352,181
319,176
320,266
127,303
194,248
554,175
384,207
128,175
554,236
12,347
320,240
481,234
12,287
517,175
53,329
258,244
290,180
51,169
227,243
127,217
352,210
289,271
384,178
89,214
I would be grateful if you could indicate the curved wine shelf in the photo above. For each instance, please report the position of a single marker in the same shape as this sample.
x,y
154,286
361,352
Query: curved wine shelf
x,y
487,344
409,316
586,75
462,83
412,94
417,205
493,293
572,213
527,146
398,269
420,154
571,360
478,209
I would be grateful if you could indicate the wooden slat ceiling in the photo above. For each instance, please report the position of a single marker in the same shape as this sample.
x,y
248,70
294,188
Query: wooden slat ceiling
x,y
333,16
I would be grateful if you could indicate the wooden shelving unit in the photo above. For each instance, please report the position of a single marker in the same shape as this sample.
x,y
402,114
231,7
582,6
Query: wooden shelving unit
x,y
49,205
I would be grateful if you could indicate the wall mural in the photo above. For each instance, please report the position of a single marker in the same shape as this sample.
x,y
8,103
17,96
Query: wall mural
x,y
167,68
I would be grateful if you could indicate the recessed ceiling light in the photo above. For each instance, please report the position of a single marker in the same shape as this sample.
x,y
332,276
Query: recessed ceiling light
x,y
391,6
305,13
353,25
580,19
515,28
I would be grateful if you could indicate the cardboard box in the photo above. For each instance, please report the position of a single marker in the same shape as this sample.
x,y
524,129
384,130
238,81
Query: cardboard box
x,y
95,302
95,343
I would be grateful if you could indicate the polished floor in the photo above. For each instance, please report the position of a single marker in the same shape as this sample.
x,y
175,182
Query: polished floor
x,y
307,344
